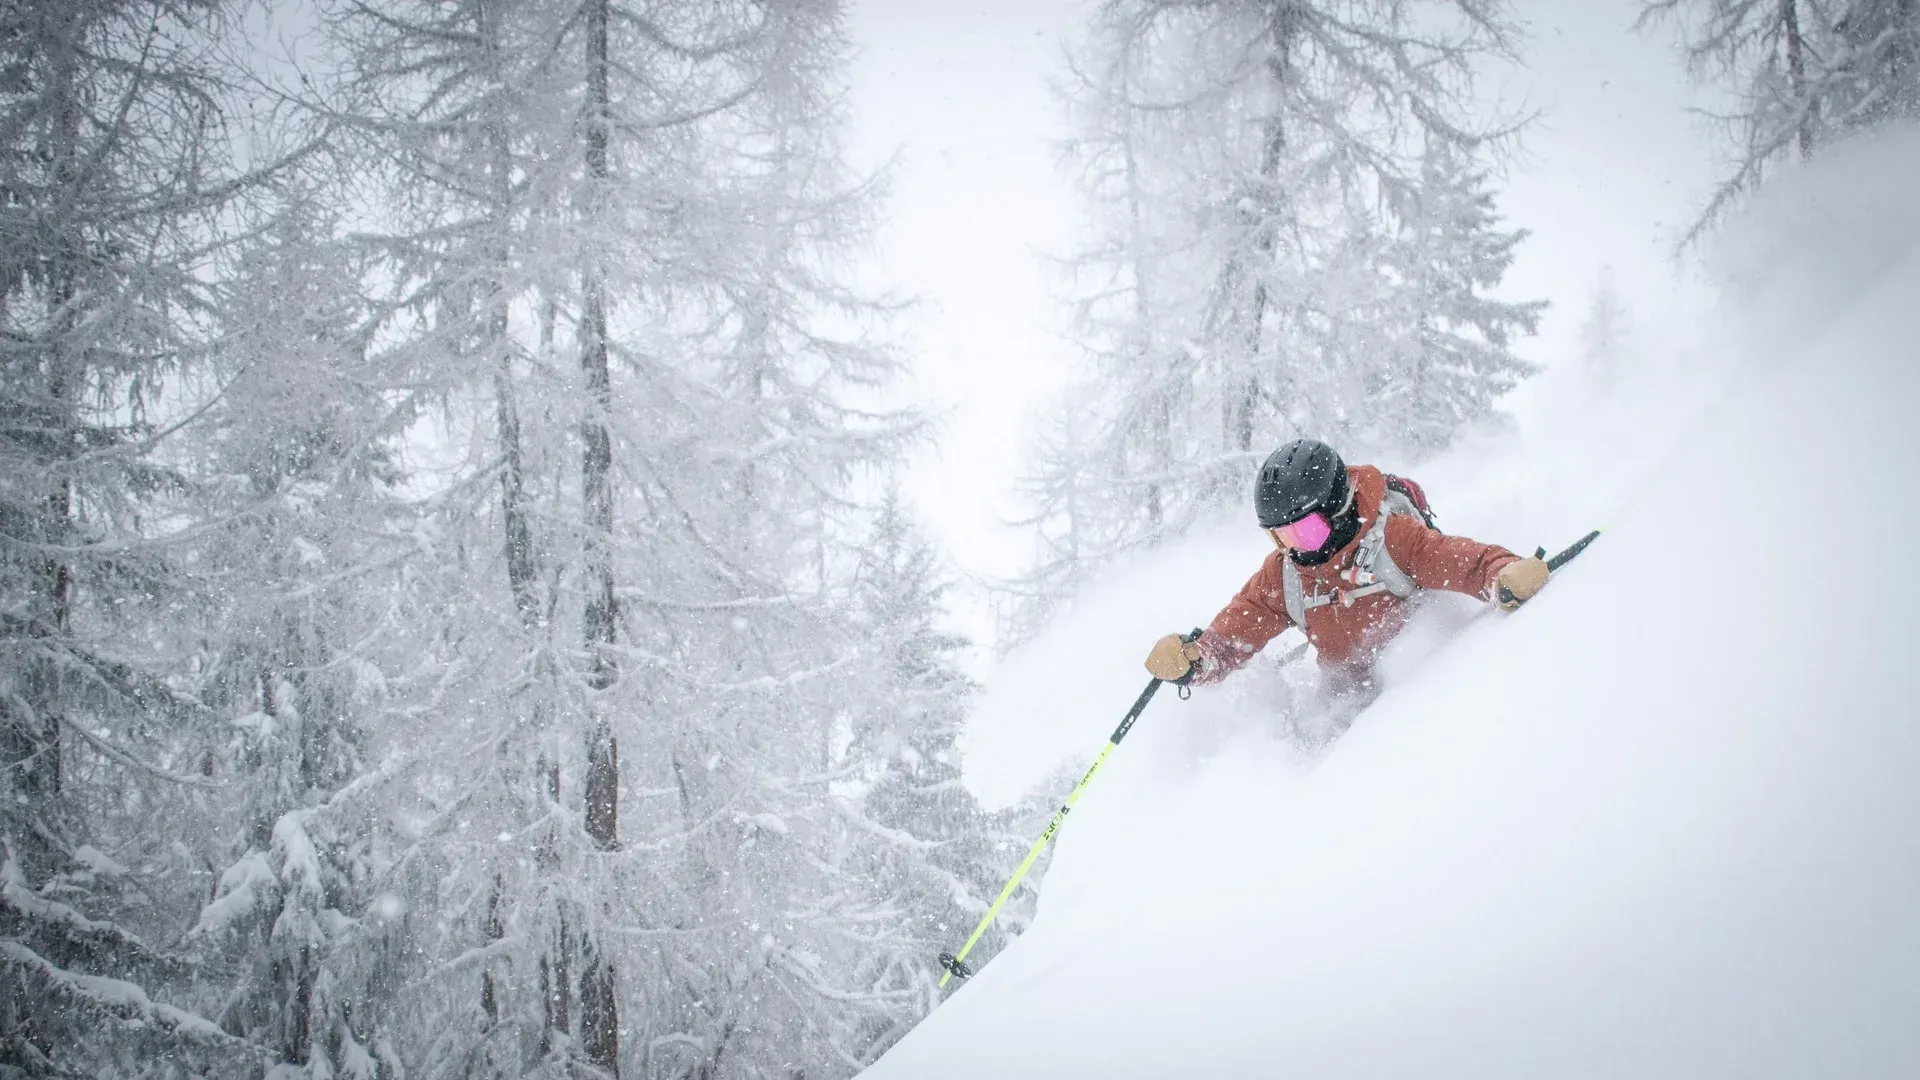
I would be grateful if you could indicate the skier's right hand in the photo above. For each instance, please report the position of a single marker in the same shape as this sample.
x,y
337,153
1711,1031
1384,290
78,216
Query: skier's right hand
x,y
1172,659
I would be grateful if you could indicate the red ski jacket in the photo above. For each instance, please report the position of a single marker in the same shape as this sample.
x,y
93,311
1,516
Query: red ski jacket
x,y
1348,635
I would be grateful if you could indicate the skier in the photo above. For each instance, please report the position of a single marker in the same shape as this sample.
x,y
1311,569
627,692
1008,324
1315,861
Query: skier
x,y
1352,546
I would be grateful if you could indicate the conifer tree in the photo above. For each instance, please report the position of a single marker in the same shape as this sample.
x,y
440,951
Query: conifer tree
x,y
302,437
1293,234
1803,73
1605,336
935,854
446,631
624,227
116,182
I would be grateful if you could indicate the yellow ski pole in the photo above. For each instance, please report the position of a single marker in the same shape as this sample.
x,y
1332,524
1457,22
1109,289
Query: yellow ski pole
x,y
954,963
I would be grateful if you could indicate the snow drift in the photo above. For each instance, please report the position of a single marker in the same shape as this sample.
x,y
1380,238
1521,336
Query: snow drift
x,y
1663,822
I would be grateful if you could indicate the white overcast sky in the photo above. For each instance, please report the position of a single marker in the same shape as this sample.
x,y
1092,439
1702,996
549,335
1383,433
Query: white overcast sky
x,y
961,91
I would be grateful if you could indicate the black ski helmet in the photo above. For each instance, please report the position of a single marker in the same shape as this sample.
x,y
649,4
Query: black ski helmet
x,y
1303,476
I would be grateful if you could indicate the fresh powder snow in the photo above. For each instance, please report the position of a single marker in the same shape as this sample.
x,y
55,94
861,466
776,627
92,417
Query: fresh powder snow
x,y
1664,821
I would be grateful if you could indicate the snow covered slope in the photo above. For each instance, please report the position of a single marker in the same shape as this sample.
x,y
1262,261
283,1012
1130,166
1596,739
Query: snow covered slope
x,y
1663,822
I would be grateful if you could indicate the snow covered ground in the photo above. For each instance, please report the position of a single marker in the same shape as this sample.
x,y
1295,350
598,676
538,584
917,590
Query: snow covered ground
x,y
1663,822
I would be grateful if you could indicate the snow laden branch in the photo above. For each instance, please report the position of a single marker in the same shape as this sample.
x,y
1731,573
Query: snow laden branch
x,y
119,1001
1804,74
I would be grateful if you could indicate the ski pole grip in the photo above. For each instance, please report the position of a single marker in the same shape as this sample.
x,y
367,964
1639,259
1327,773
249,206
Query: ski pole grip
x,y
1505,594
1182,681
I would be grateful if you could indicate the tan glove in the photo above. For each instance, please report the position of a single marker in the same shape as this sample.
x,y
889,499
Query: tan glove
x,y
1172,659
1518,581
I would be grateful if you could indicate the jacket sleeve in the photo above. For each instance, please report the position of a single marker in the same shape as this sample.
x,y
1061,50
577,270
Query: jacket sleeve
x,y
1256,615
1435,560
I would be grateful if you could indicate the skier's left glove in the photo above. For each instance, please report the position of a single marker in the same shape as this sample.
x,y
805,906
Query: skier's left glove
x,y
1518,581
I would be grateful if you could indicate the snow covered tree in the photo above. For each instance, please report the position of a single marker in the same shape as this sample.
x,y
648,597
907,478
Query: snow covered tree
x,y
302,436
620,228
930,851
445,631
1606,335
1803,72
116,179
1441,374
1875,72
933,852
475,126
1293,235
1070,492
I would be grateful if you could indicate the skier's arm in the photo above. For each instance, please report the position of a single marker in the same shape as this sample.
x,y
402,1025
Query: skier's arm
x,y
1435,560
1256,615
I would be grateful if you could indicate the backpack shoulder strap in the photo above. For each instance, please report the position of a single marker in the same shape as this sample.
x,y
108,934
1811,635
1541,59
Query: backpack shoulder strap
x,y
1373,556
1293,589
1293,592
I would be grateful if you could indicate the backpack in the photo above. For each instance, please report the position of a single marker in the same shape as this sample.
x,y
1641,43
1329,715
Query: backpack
x,y
1415,495
1373,569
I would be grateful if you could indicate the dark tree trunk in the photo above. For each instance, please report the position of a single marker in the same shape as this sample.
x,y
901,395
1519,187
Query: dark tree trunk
x,y
521,565
1797,74
494,930
602,615
556,989
603,787
300,1011
30,734
1245,401
597,455
521,569
600,1014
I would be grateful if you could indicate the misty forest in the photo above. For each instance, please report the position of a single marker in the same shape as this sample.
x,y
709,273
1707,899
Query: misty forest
x,y
463,606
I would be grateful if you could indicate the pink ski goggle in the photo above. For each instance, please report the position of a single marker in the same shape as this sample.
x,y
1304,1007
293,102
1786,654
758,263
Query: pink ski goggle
x,y
1307,534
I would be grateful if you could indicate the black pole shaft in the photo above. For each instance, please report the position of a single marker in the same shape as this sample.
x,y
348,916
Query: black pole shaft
x,y
1139,706
1566,556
